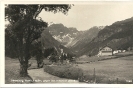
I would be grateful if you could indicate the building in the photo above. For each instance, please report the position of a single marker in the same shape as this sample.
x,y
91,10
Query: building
x,y
106,51
115,51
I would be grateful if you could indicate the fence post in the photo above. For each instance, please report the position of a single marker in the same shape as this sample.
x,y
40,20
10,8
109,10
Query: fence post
x,y
94,76
117,80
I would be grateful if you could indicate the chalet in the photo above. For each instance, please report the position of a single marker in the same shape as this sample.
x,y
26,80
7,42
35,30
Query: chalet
x,y
106,51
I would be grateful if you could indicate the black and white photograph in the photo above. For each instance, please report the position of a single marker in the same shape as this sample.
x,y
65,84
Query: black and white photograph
x,y
68,43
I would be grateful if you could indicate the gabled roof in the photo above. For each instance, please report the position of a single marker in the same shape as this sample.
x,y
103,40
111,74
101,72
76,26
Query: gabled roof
x,y
105,47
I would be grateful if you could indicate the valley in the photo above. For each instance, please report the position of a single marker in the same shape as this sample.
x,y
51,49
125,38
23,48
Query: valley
x,y
87,47
117,36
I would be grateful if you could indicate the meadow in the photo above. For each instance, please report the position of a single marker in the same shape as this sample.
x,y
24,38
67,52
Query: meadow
x,y
107,71
12,73
114,69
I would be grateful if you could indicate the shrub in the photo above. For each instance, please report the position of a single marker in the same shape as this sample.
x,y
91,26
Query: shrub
x,y
64,71
46,62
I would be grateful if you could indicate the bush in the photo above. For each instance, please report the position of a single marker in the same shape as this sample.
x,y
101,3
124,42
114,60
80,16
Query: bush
x,y
64,71
46,62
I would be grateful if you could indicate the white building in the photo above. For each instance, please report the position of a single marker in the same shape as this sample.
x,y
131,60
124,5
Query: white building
x,y
106,51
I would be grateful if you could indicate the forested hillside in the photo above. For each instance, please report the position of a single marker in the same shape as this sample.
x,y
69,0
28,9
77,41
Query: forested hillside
x,y
119,35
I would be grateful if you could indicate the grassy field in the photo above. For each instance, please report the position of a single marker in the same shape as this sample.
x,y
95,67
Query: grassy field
x,y
107,71
12,72
121,68
87,59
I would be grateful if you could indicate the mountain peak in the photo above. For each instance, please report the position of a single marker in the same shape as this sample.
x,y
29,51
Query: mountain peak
x,y
62,33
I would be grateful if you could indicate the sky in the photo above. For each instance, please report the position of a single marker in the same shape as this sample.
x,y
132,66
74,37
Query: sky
x,y
86,15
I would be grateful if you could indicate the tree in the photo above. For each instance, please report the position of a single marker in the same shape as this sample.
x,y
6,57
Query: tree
x,y
10,44
25,27
36,51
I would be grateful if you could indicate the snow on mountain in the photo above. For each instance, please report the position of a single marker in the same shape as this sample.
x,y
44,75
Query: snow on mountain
x,y
84,37
63,34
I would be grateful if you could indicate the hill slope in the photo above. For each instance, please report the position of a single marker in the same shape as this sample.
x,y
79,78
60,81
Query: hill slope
x,y
48,42
84,38
119,35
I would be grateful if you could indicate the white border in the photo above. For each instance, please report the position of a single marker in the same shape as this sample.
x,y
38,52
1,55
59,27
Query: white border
x,y
2,61
2,57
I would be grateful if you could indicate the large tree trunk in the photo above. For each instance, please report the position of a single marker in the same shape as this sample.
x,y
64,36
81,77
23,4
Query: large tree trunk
x,y
23,68
25,56
23,59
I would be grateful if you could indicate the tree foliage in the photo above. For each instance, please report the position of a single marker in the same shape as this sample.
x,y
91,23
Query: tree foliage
x,y
25,27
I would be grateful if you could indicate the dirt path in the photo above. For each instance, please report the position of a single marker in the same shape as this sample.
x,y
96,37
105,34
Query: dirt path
x,y
39,76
